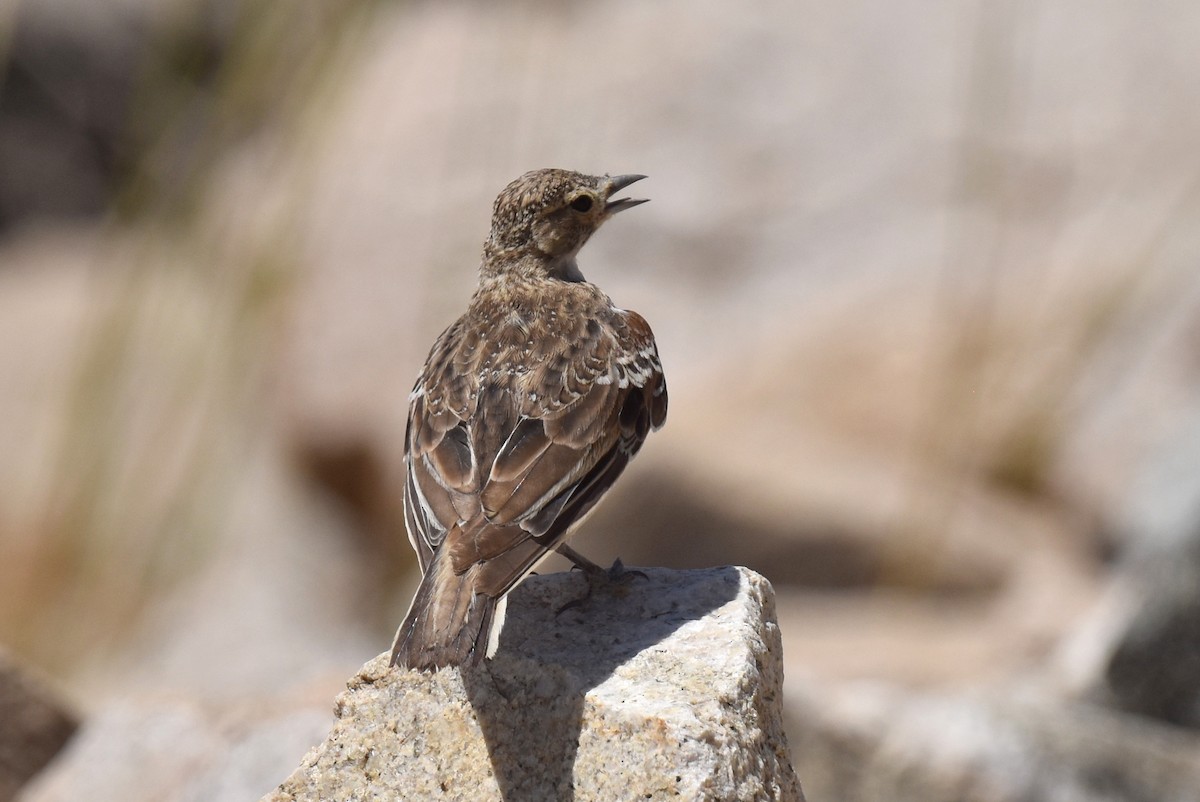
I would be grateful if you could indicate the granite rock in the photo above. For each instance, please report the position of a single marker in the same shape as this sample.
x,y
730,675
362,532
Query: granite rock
x,y
33,727
665,687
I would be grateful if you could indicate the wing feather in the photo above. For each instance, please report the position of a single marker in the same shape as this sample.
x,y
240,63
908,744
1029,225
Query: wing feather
x,y
509,459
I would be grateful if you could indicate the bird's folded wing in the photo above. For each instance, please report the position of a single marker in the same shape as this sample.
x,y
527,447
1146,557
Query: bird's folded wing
x,y
533,458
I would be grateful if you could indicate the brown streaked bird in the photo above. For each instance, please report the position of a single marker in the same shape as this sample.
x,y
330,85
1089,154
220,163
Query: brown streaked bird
x,y
527,409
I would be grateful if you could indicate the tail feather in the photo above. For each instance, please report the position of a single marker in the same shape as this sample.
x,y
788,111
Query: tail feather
x,y
448,623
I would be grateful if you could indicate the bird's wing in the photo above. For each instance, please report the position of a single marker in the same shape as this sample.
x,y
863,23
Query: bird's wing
x,y
441,486
536,453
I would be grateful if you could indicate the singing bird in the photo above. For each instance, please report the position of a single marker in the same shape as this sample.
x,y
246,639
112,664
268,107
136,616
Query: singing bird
x,y
527,410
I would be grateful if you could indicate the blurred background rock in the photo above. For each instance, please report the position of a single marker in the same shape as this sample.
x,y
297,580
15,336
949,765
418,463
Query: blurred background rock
x,y
924,280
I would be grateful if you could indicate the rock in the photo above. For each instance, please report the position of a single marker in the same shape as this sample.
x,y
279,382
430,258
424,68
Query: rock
x,y
1139,649
861,743
130,752
1154,667
33,727
671,691
173,750
252,759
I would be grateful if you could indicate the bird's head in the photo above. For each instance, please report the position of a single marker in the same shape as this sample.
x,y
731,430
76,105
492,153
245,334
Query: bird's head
x,y
549,215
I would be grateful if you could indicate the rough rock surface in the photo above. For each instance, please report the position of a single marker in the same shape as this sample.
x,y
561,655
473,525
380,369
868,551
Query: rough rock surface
x,y
33,727
667,687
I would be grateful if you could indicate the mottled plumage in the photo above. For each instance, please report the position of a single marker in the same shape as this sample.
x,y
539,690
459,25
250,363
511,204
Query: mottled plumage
x,y
528,408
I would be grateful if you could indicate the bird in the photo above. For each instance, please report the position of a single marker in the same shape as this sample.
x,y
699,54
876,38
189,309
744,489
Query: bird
x,y
528,408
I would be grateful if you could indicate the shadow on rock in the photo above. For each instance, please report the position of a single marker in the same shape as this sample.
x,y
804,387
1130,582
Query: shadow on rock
x,y
529,699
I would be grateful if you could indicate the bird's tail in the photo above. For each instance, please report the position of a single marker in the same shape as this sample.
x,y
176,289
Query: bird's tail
x,y
448,623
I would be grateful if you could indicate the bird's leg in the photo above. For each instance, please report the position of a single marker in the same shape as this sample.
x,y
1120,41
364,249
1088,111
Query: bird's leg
x,y
581,562
618,574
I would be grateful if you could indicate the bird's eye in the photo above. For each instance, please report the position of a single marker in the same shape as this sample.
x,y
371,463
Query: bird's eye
x,y
582,203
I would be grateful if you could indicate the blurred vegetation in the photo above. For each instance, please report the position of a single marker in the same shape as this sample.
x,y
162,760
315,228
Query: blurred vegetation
x,y
1005,391
160,424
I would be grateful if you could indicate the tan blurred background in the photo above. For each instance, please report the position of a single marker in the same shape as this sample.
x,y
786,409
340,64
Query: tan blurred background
x,y
924,279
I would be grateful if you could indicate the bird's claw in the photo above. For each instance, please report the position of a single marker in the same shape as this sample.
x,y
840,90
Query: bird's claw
x,y
619,574
615,576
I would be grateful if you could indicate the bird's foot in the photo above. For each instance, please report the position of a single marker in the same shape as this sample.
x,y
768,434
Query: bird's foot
x,y
614,578
618,574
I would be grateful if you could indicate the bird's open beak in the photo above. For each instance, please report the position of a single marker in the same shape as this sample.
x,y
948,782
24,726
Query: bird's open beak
x,y
616,184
